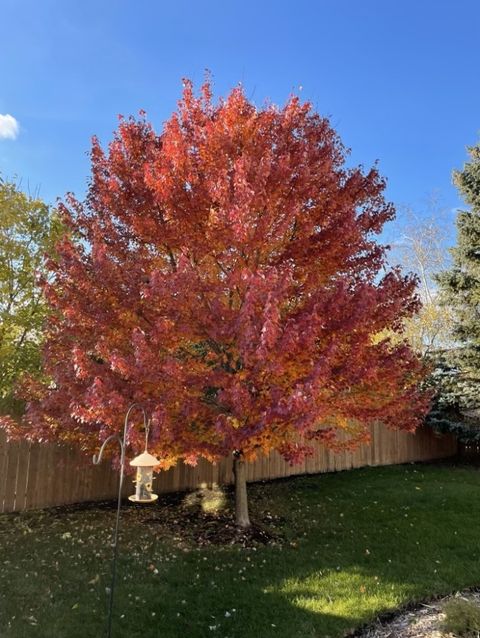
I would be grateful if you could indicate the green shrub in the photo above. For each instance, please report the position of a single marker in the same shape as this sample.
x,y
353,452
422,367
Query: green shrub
x,y
462,618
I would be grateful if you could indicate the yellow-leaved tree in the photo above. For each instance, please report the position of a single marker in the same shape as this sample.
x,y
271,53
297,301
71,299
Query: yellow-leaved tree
x,y
28,231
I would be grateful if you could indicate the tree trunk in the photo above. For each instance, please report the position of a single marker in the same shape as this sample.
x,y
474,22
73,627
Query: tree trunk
x,y
242,519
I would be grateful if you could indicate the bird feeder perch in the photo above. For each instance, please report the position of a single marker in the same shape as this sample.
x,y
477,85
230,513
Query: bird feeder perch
x,y
144,463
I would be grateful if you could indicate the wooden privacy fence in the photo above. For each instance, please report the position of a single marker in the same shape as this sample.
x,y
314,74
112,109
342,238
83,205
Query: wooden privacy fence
x,y
34,475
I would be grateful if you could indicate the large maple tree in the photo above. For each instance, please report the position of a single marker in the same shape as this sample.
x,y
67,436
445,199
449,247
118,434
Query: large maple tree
x,y
225,273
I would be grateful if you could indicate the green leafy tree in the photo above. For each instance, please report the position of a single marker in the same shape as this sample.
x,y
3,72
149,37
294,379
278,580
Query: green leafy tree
x,y
28,231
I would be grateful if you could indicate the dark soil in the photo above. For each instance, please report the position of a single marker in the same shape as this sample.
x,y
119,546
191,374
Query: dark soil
x,y
185,518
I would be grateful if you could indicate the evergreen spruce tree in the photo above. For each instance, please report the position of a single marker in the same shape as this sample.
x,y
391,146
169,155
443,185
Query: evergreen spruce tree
x,y
460,289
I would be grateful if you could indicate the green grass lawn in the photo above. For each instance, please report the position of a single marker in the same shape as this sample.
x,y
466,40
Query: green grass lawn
x,y
357,544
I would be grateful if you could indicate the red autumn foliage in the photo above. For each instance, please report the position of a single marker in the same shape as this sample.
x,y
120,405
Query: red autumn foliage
x,y
225,273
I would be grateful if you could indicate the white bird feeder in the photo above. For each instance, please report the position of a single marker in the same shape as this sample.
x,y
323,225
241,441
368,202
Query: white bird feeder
x,y
144,463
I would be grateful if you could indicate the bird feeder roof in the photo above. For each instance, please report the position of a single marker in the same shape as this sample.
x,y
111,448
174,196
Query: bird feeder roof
x,y
144,460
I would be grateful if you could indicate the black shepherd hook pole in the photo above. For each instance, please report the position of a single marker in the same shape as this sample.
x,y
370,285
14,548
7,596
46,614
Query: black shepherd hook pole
x,y
122,441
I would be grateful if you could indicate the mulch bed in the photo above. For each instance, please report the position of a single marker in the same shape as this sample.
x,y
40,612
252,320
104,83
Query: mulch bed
x,y
195,519
184,519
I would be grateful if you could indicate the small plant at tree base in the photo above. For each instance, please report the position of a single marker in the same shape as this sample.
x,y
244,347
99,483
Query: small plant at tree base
x,y
227,277
462,618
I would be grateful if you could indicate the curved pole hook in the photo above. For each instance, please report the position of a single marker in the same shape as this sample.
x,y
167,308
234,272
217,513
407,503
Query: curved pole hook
x,y
123,441
98,457
146,422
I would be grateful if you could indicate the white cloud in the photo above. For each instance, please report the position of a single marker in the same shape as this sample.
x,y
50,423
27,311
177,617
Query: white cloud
x,y
9,127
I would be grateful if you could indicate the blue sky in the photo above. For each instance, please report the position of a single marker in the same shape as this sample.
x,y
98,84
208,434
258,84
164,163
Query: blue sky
x,y
399,79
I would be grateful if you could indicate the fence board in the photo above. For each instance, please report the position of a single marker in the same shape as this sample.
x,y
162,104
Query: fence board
x,y
34,475
3,467
22,475
11,476
33,472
